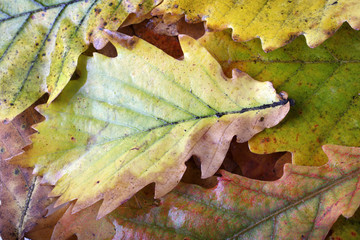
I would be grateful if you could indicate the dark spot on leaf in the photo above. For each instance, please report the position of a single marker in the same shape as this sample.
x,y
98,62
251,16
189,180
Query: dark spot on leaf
x,y
110,4
334,3
11,104
261,119
176,6
2,150
17,171
97,181
97,10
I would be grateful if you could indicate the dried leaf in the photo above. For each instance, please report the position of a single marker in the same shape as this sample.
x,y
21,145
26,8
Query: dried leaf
x,y
22,199
266,167
139,117
14,136
303,204
42,40
45,226
149,31
324,82
274,22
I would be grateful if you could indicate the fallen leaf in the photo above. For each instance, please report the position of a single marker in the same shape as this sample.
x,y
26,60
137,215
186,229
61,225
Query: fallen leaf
x,y
45,226
22,199
135,119
85,226
42,40
14,136
324,82
303,204
149,31
274,22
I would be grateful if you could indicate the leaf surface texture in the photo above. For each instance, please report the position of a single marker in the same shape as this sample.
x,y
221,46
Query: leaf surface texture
x,y
135,119
275,22
42,40
304,203
324,82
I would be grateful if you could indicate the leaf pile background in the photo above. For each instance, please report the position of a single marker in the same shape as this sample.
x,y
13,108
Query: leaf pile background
x,y
138,100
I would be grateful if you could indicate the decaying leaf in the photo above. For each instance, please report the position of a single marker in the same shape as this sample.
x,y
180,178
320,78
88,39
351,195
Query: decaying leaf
x,y
135,119
147,30
324,82
303,204
42,40
267,167
45,226
22,199
274,22
14,136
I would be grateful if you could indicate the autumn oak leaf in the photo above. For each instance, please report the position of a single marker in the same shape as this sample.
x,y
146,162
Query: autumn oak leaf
x,y
22,199
324,83
41,42
303,204
275,22
135,119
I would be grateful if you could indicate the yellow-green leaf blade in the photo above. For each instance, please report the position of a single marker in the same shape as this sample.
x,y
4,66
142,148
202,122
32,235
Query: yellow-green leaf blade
x,y
139,117
274,22
323,82
42,42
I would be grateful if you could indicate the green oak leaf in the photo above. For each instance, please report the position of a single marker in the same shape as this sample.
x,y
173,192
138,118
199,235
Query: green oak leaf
x,y
324,82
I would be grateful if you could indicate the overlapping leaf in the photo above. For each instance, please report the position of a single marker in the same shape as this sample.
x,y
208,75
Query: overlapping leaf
x,y
139,117
303,204
42,40
346,228
323,81
274,22
22,199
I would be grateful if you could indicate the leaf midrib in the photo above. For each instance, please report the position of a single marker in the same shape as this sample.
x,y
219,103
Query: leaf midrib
x,y
218,115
